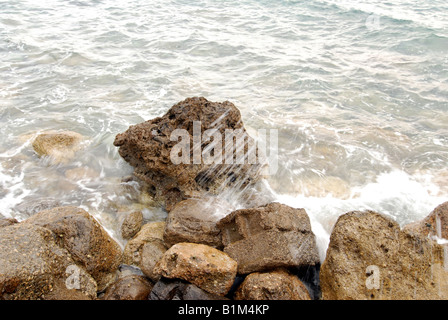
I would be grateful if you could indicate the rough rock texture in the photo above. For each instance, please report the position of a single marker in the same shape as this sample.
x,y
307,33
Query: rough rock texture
x,y
208,268
147,147
131,224
168,289
151,252
60,147
150,232
268,237
434,225
274,285
33,266
84,238
130,287
194,220
370,257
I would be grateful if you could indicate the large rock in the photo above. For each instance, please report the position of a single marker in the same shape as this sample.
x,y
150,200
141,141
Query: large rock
x,y
370,257
206,267
148,146
194,220
33,266
267,237
434,225
59,147
273,285
84,238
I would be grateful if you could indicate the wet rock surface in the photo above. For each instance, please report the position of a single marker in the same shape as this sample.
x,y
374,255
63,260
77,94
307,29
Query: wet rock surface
x,y
269,237
273,285
194,220
131,224
206,267
150,232
169,289
370,257
59,147
33,266
434,225
84,238
131,287
147,147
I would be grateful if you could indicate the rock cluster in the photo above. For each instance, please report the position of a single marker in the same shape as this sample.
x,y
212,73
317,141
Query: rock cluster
x,y
198,270
206,249
148,147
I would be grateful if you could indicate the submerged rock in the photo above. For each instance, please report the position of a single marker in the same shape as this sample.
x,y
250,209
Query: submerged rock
x,y
273,285
30,206
60,147
206,267
370,257
84,238
194,220
33,266
148,147
267,237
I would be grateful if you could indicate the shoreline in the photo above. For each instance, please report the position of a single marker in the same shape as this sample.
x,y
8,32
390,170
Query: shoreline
x,y
205,247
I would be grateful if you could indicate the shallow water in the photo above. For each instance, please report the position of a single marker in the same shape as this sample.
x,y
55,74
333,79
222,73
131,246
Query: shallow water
x,y
358,92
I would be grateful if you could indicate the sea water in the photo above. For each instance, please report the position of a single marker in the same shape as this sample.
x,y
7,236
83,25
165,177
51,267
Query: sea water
x,y
357,91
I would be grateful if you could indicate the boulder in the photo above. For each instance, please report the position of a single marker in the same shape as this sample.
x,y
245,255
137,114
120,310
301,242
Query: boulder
x,y
131,287
33,266
434,225
84,238
150,232
131,224
168,289
370,257
273,285
59,147
206,267
194,220
148,147
268,237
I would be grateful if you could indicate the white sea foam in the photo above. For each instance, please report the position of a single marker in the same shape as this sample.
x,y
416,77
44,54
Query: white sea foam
x,y
395,194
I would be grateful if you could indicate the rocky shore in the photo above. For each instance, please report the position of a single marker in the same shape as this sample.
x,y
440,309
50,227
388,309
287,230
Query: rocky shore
x,y
206,249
